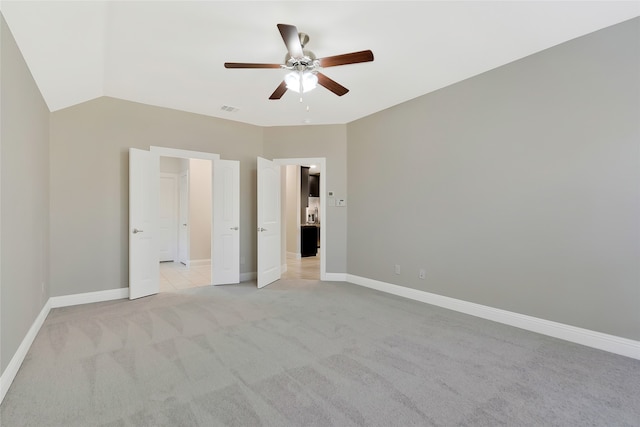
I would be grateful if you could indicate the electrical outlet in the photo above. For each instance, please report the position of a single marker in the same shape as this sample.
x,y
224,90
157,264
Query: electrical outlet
x,y
422,273
397,269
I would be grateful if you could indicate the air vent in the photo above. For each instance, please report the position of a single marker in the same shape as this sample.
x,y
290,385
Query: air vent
x,y
229,109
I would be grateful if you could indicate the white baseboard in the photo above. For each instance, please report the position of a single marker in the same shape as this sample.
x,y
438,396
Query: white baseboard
x,y
245,277
11,371
295,255
335,277
89,297
284,268
199,262
599,340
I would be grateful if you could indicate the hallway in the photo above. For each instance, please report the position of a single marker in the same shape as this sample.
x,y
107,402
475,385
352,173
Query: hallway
x,y
303,268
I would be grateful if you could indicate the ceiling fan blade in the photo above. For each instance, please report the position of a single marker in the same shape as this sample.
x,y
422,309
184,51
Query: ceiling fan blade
x,y
347,58
249,65
277,94
332,85
291,39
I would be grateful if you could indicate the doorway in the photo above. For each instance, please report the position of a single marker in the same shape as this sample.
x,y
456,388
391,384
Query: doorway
x,y
296,213
144,194
185,223
301,223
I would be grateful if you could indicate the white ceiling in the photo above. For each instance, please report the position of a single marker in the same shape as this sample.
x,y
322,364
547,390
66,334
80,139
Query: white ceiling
x,y
171,53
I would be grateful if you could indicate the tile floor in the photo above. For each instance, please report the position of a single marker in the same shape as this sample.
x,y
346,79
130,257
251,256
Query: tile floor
x,y
303,268
175,276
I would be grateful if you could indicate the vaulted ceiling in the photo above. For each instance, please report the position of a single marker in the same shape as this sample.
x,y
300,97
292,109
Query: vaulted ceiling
x,y
171,53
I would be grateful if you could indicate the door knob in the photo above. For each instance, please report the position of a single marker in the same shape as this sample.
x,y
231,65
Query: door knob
x,y
136,231
184,225
262,229
234,228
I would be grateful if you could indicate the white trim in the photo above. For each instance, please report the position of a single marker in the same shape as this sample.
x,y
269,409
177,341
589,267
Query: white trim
x,y
335,277
284,268
245,277
89,297
11,371
183,154
199,262
599,340
295,255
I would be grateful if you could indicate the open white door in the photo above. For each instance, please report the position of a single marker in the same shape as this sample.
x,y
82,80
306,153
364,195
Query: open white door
x,y
144,171
268,222
225,245
183,218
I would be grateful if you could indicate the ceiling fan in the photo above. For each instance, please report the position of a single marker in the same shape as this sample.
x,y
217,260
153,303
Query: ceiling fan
x,y
304,65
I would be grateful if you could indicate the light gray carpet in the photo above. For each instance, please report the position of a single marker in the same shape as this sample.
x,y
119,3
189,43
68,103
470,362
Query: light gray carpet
x,y
308,353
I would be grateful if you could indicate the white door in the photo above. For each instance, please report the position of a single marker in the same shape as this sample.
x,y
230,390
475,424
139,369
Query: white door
x,y
183,218
144,170
268,222
225,244
168,217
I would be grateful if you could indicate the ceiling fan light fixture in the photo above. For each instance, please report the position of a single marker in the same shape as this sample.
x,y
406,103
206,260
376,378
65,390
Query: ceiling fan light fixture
x,y
304,66
293,80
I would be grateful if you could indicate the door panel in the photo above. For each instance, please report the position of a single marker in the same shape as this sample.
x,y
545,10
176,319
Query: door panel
x,y
183,217
268,222
144,171
225,245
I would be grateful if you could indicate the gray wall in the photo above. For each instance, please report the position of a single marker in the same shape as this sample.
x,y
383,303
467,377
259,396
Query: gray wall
x,y
24,192
517,189
319,141
171,164
89,183
199,209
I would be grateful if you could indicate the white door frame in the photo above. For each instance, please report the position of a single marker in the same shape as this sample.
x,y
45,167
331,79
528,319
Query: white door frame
x,y
321,163
188,154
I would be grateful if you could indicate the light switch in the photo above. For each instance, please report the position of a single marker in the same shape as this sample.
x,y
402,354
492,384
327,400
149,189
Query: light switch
x,y
341,202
